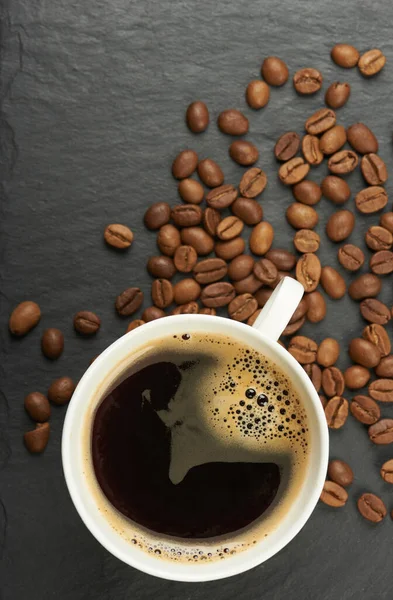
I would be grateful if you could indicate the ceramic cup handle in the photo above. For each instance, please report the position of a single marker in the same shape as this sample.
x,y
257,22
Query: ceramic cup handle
x,y
278,310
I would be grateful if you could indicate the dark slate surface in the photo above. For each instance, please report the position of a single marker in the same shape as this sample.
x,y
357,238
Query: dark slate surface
x,y
93,98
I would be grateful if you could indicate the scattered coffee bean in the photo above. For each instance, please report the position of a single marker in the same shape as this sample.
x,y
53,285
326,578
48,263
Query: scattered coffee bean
x,y
333,495
340,472
336,412
247,210
293,171
371,507
378,238
37,406
377,335
161,266
189,308
356,377
185,259
307,81
52,343
243,153
248,285
86,322
197,117
333,283
386,221
328,352
168,239
210,270
157,215
191,191
253,182
335,189
340,225
151,313
387,471
292,328
362,139
61,390
274,71
162,293
129,301
381,263
265,271
343,162
37,440
198,238
350,257
381,432
228,250
365,286
365,410
333,383
208,311
371,62
218,294
323,400
385,367
300,312
210,173
303,349
316,307
345,56
118,236
307,192
315,374
24,317
240,267
306,240
283,259
242,307
261,238
257,94
186,290
373,169
337,94
308,271
211,219
287,146
311,150
322,120
134,324
233,122
333,139
371,199
184,164
229,228
221,197
364,353
251,320
381,390
186,215
301,216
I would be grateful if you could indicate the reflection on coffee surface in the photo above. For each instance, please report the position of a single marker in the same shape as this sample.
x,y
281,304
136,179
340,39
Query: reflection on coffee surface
x,y
195,440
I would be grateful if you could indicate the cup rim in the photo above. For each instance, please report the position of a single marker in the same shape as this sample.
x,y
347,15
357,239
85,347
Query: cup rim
x,y
96,375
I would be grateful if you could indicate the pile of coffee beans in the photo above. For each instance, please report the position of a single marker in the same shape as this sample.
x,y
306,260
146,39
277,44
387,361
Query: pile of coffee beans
x,y
202,238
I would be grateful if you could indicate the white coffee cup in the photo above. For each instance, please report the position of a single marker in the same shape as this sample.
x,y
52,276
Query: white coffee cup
x,y
106,368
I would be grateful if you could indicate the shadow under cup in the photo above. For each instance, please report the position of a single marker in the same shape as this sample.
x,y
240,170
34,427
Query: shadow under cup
x,y
177,558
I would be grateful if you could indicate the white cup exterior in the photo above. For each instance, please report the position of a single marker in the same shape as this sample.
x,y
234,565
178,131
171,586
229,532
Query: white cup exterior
x,y
262,336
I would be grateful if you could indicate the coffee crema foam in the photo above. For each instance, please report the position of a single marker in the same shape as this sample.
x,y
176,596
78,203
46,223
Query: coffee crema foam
x,y
242,408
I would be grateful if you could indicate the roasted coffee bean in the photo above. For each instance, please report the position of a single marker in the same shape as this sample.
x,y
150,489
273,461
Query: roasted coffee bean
x,y
343,162
197,237
365,410
208,311
242,307
221,197
274,71
87,322
61,390
328,352
335,189
371,199
233,122
129,301
191,191
284,260
381,432
251,320
161,266
322,120
308,271
185,259
340,225
243,153
281,275
386,221
333,139
315,374
306,240
247,210
378,238
292,328
287,146
210,173
333,283
184,164
189,308
118,236
373,169
240,267
134,324
377,335
307,192
371,508
210,270
362,139
253,182
261,238
293,171
52,343
24,317
387,471
228,250
356,377
218,294
162,293
350,257
316,307
37,406
303,349
337,94
307,81
371,62
381,390
381,263
345,56
168,239
311,150
265,271
257,94
151,313
340,472
333,494
364,353
186,215
385,367
365,286
37,440
248,285
333,383
211,219
323,400
186,290
301,310
197,116
157,215
301,216
229,228
336,412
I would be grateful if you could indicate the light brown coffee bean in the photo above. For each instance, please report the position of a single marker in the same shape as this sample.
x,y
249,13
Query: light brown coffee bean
x,y
333,495
333,139
221,197
365,410
386,221
247,210
371,62
375,311
303,349
251,320
243,153
253,182
151,313
283,259
381,390
373,169
356,377
191,191
308,271
378,238
186,290
307,81
365,286
185,259
287,146
301,310
292,328
343,162
315,374
370,506
340,225
301,216
126,304
233,122
208,311
210,270
217,294
118,236
186,215
337,94
229,228
211,219
61,390
157,215
333,283
134,325
293,171
197,116
385,367
24,317
87,322
242,307
184,164
362,139
377,335
316,311
261,238
340,472
162,293
306,240
189,308
240,267
274,71
37,407
52,343
350,257
381,263
345,56
371,199
333,382
335,189
387,471
336,412
322,120
328,352
168,239
364,353
307,192
311,150
257,94
228,250
198,238
161,266
37,439
265,271
210,173
381,432
248,285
